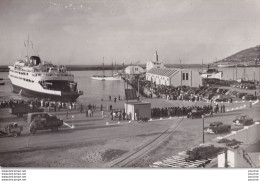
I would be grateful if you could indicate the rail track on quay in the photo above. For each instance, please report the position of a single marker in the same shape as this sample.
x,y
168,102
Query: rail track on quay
x,y
135,154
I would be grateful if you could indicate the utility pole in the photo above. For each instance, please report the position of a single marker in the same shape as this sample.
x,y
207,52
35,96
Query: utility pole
x,y
236,71
203,141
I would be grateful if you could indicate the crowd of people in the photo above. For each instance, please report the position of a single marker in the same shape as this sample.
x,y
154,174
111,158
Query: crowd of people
x,y
175,111
183,111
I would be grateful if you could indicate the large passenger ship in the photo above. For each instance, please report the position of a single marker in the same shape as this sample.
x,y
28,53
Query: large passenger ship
x,y
35,78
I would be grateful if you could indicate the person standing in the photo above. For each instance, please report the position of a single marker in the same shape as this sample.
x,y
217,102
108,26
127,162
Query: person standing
x,y
111,115
102,114
101,107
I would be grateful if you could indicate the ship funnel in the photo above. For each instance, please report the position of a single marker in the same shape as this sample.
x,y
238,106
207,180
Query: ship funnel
x,y
35,60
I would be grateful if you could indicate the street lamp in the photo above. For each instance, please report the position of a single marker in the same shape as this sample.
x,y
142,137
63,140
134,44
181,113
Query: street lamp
x,y
202,128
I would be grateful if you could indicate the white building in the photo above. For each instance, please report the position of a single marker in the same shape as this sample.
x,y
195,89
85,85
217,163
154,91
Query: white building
x,y
133,70
174,77
154,64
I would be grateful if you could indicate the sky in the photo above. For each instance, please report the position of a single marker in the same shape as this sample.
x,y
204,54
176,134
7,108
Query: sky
x,y
83,32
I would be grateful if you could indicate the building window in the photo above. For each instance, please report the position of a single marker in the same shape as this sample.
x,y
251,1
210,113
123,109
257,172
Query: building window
x,y
183,76
187,76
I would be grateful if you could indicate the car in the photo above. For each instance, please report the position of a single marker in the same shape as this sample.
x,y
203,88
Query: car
x,y
195,114
243,120
20,109
221,98
217,127
43,121
241,95
249,97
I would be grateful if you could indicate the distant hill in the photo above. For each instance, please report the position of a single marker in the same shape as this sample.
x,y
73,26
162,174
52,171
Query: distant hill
x,y
244,56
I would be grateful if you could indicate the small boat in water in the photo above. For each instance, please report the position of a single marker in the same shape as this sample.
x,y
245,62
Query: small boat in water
x,y
225,65
104,77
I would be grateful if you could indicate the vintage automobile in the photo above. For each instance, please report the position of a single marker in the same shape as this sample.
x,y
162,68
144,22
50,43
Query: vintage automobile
x,y
249,97
195,114
12,129
20,109
217,127
43,121
221,98
243,120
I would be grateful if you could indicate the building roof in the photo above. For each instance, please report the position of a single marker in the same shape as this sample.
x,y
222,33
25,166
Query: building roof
x,y
138,103
168,72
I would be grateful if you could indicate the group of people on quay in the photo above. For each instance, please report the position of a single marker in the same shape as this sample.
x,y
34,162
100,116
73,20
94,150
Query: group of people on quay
x,y
177,111
48,104
183,111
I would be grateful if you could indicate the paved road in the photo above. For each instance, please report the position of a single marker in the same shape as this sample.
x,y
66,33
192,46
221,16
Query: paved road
x,y
88,131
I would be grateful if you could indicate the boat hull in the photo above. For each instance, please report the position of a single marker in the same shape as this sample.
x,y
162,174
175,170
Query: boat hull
x,y
65,96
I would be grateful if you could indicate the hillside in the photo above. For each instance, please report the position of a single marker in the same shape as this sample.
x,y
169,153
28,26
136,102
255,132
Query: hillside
x,y
247,55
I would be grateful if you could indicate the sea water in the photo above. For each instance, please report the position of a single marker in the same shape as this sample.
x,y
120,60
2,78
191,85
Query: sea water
x,y
95,90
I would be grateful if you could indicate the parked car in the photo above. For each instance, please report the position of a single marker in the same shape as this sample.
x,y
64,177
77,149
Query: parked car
x,y
221,98
195,114
250,86
217,127
243,120
249,97
241,95
43,121
20,109
12,129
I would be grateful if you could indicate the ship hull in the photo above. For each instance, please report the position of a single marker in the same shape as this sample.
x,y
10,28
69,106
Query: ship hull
x,y
65,96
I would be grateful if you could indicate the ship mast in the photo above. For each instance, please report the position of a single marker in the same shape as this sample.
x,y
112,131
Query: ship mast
x,y
27,44
103,68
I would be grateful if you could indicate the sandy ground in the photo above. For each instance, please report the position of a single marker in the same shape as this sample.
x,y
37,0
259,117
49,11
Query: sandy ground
x,y
93,144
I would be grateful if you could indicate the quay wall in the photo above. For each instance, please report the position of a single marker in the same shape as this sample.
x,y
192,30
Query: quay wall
x,y
247,135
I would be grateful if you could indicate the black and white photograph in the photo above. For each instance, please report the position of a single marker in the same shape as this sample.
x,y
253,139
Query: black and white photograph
x,y
134,84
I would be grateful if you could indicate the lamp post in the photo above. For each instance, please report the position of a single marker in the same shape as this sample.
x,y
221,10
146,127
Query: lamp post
x,y
138,84
203,128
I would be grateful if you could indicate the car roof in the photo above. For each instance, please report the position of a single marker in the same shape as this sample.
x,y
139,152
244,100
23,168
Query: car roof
x,y
35,113
217,122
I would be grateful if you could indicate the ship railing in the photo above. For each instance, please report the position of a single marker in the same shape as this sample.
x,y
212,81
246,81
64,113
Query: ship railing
x,y
52,74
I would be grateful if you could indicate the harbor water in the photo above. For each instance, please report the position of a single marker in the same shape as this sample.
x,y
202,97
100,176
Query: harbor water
x,y
95,90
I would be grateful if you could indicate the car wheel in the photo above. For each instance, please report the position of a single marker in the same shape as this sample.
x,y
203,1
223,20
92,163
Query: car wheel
x,y
15,134
32,130
54,129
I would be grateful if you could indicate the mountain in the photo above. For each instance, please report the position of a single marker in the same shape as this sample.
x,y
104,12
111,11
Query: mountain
x,y
244,56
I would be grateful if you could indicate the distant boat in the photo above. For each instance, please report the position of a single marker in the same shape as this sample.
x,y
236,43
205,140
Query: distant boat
x,y
224,65
211,74
104,77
